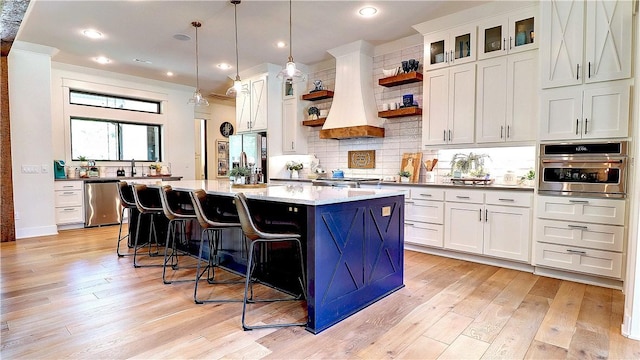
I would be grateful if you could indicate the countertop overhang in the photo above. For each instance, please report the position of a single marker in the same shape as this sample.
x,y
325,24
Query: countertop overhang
x,y
125,178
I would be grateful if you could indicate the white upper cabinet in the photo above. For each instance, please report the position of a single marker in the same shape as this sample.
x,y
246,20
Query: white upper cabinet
x,y
508,34
585,112
449,100
585,41
507,98
252,110
294,135
451,47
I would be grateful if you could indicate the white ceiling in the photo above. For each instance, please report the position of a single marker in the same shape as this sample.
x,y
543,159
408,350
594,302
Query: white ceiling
x,y
144,29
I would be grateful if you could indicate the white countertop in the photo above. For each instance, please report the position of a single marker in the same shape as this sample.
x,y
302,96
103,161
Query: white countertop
x,y
303,194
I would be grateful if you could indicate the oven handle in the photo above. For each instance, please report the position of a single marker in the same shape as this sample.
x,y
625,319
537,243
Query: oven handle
x,y
583,161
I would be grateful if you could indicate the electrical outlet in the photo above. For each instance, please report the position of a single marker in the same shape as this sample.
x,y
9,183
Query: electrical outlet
x,y
30,169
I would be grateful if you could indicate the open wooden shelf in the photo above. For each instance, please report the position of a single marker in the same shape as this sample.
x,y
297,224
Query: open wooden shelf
x,y
408,111
401,79
318,95
315,122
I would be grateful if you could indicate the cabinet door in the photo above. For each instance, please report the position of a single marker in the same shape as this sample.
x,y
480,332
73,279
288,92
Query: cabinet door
x,y
462,94
522,30
424,211
608,40
462,45
561,113
492,37
436,107
243,111
522,96
491,100
586,235
606,111
290,126
259,104
463,224
507,232
435,50
561,50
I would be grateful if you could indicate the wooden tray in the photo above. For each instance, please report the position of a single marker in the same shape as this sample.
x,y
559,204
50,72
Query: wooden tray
x,y
472,181
248,186
158,176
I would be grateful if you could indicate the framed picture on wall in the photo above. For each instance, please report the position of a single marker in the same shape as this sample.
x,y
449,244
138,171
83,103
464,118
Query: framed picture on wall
x,y
222,158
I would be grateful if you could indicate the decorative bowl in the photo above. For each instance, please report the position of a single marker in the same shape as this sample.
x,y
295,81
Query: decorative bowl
x,y
390,72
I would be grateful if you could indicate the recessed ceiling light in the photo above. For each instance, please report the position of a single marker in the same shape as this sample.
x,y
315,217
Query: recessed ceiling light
x,y
92,33
142,61
169,73
367,11
224,66
102,60
281,44
182,37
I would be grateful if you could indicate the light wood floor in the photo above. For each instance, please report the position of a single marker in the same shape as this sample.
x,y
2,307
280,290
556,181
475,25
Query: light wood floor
x,y
70,296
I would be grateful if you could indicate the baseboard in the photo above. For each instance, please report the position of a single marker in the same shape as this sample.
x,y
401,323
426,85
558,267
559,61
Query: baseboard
x,y
581,278
36,231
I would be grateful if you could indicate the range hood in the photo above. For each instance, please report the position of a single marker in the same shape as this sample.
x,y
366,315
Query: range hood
x,y
353,112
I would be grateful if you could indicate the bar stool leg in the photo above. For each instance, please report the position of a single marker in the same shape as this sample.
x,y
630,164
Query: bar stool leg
x,y
120,238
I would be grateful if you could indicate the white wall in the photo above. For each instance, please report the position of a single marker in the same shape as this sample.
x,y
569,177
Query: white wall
x,y
221,111
29,79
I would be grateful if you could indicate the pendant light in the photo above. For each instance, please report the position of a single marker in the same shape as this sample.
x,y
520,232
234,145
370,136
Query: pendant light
x,y
197,98
236,90
290,73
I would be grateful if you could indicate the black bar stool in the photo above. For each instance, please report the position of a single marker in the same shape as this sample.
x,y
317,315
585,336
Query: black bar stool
x,y
178,216
212,225
148,203
258,237
128,202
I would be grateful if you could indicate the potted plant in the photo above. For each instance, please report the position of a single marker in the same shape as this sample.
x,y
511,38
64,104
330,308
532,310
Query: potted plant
x,y
83,160
528,178
404,176
238,174
153,168
468,164
294,167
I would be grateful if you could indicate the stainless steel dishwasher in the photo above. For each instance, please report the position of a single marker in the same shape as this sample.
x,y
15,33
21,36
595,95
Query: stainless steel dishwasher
x,y
101,203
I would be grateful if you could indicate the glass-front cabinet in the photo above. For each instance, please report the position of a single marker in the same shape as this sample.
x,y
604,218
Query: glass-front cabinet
x,y
507,34
451,47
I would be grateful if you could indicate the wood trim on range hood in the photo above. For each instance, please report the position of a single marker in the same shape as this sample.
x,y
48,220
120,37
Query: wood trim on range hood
x,y
352,132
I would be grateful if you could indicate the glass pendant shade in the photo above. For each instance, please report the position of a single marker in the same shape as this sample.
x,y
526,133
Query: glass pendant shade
x,y
290,73
197,99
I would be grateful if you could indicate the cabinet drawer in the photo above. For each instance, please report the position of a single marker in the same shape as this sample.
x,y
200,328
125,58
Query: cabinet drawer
x,y
68,198
465,196
425,211
423,234
595,262
428,194
67,185
69,215
600,211
593,236
508,198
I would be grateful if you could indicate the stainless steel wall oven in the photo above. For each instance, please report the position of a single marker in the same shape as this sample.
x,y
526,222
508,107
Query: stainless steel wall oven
x,y
583,169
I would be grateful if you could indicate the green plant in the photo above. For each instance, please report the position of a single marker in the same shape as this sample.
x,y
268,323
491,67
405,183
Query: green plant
x,y
404,174
154,166
239,171
294,165
472,164
82,158
530,175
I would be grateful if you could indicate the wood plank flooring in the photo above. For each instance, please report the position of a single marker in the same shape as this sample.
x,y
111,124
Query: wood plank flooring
x,y
70,296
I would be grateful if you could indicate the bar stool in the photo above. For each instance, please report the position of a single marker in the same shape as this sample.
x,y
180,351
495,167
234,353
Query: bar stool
x,y
148,203
128,202
178,217
212,225
258,237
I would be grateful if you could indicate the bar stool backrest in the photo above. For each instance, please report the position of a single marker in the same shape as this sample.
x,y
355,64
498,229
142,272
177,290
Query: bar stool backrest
x,y
147,200
170,207
126,195
210,214
248,226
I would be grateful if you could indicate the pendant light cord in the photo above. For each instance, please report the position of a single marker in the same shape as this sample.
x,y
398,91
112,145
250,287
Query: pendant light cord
x,y
235,18
197,25
290,41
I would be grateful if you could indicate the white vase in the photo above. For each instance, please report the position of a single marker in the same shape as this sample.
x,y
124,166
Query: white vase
x,y
295,174
404,179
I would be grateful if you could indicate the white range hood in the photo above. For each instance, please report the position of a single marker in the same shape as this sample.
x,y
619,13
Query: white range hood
x,y
353,111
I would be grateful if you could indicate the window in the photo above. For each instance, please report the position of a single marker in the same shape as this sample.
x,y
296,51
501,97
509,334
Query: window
x,y
105,140
113,102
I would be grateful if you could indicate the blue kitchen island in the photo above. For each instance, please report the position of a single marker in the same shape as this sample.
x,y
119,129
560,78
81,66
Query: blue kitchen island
x,y
353,241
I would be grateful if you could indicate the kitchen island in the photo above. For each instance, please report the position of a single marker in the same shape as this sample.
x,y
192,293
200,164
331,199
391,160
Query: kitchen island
x,y
353,241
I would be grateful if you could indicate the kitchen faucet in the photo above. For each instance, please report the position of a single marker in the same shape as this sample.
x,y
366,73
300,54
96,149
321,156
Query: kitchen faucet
x,y
133,168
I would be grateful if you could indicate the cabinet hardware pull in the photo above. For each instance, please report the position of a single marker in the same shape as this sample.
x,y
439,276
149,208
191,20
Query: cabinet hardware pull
x,y
444,135
501,199
577,121
446,57
410,224
501,131
577,227
589,69
577,71
510,43
292,145
480,214
449,135
486,215
409,202
461,197
508,131
504,44
579,201
429,195
586,123
68,186
452,57
576,252
68,193
69,209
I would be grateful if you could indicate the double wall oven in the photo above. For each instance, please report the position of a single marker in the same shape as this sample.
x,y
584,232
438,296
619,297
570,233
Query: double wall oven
x,y
583,169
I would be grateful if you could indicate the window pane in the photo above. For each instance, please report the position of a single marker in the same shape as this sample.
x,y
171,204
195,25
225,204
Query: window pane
x,y
140,142
113,102
95,140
